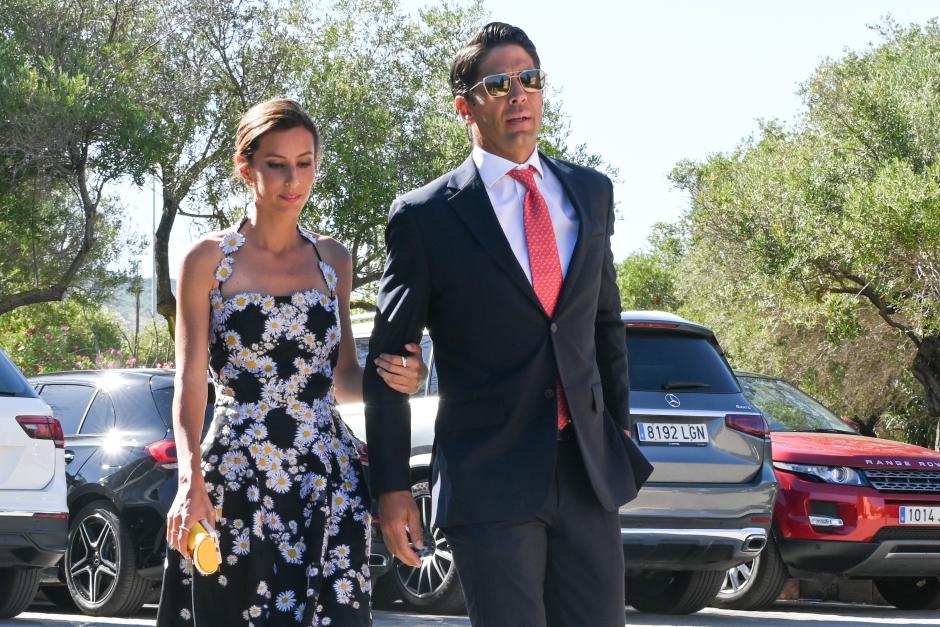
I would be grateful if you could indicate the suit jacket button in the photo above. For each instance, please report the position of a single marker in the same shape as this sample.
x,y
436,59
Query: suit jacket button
x,y
549,393
554,328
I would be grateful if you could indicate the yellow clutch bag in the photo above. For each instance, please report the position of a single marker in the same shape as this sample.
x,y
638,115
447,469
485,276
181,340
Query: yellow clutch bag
x,y
204,547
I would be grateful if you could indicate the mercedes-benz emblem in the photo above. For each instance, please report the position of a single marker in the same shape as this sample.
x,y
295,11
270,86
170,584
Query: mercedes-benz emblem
x,y
673,400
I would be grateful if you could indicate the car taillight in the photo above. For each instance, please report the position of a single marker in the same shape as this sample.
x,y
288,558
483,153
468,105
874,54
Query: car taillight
x,y
754,425
43,428
163,452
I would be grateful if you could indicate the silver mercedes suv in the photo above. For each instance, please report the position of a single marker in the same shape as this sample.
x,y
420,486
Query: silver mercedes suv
x,y
706,507
709,500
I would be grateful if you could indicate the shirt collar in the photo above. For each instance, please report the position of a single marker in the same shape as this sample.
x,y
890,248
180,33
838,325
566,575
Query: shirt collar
x,y
493,167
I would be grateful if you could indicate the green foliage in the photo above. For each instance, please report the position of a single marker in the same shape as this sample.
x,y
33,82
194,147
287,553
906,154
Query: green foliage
x,y
77,334
645,284
847,201
93,92
650,280
813,249
58,336
40,228
74,119
375,79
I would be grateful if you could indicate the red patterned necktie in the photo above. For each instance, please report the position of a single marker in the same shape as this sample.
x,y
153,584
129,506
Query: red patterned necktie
x,y
543,260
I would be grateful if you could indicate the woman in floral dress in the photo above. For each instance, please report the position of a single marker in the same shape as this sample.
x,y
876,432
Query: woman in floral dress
x,y
278,474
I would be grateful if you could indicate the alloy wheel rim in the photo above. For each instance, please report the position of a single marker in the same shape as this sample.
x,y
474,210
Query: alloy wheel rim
x,y
92,560
436,569
739,578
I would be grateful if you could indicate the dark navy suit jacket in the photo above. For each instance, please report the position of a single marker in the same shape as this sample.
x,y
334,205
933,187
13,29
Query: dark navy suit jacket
x,y
498,354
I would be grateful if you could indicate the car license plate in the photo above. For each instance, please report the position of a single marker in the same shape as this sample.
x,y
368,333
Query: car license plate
x,y
672,434
910,515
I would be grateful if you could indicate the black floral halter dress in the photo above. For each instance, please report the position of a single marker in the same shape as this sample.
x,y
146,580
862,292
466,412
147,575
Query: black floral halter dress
x,y
281,469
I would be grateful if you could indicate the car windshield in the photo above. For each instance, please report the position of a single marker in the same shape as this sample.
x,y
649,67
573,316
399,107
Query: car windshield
x,y
787,408
661,361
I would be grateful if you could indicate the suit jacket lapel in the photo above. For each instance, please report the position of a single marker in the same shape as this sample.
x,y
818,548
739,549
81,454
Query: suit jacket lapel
x,y
580,200
472,204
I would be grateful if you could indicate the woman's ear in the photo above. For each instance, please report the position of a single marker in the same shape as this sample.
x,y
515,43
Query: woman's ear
x,y
243,167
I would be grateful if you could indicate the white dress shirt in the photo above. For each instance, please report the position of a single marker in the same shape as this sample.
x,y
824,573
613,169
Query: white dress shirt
x,y
508,195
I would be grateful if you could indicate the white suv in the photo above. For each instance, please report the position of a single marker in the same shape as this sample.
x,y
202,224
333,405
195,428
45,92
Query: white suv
x,y
33,512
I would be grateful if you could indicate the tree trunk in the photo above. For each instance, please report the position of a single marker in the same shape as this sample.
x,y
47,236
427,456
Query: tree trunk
x,y
166,302
56,291
926,368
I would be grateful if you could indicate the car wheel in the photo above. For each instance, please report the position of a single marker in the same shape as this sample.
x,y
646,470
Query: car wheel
x,y
910,593
100,564
59,596
754,585
681,592
18,586
434,587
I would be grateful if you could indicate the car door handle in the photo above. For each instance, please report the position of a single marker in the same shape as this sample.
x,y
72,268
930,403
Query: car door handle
x,y
69,456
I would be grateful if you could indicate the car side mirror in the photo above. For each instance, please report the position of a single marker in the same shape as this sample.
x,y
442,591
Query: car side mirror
x,y
852,423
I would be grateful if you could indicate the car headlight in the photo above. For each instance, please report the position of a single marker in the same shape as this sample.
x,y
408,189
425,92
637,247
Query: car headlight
x,y
840,475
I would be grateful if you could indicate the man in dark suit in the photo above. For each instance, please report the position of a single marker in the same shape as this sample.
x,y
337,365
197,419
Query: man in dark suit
x,y
507,261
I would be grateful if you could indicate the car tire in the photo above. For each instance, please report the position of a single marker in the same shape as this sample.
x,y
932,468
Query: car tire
x,y
435,586
101,565
59,596
754,585
910,593
667,592
18,586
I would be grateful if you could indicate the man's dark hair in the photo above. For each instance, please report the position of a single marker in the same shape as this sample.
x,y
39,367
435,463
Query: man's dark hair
x,y
466,65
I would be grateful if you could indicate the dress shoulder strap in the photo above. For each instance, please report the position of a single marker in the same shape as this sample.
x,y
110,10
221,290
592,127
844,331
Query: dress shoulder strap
x,y
326,270
231,241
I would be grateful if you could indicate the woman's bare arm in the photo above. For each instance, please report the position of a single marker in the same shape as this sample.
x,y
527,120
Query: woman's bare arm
x,y
347,375
196,279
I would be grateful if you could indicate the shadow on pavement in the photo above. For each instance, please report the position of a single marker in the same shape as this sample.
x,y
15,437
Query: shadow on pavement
x,y
782,614
791,614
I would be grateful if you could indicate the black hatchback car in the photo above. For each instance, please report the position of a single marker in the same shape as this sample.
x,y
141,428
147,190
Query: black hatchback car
x,y
121,473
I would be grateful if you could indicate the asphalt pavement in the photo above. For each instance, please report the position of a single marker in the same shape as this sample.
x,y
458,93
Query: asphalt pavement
x,y
783,614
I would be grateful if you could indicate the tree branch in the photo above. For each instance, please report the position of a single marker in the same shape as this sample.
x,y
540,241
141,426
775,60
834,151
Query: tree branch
x,y
363,304
201,216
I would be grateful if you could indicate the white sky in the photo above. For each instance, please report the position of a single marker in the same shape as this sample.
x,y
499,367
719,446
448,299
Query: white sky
x,y
684,79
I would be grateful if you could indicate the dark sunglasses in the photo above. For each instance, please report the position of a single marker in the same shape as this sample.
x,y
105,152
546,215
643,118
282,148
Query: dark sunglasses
x,y
499,85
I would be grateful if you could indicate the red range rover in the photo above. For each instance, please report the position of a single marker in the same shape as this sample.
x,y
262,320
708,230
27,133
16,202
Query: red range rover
x,y
847,506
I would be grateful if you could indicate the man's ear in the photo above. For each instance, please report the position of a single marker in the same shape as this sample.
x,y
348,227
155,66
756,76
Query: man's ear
x,y
464,112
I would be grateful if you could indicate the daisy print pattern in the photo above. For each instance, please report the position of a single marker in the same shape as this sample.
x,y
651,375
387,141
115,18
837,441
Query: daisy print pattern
x,y
281,468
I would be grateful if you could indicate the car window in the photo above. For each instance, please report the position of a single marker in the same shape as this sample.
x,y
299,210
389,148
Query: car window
x,y
100,416
362,351
677,362
432,380
68,402
427,349
787,408
163,397
12,381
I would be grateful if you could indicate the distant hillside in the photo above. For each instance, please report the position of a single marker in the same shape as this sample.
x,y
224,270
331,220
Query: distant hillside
x,y
122,302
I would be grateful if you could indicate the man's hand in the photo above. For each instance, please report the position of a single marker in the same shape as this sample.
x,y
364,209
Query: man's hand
x,y
628,432
399,517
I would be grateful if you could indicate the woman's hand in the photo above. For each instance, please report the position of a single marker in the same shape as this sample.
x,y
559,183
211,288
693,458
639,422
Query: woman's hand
x,y
403,374
190,506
